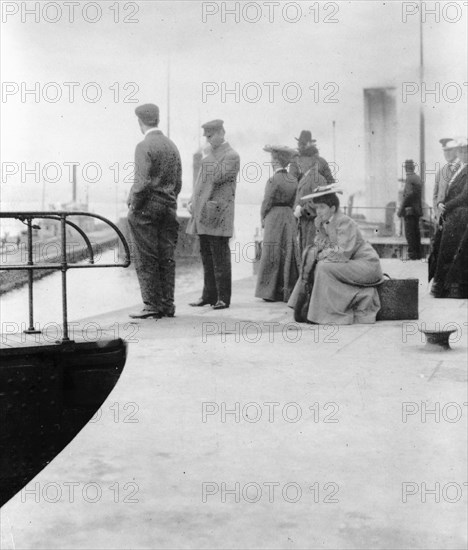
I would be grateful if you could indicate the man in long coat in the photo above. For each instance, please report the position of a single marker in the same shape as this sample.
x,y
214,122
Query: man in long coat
x,y
444,174
451,251
153,215
212,209
411,210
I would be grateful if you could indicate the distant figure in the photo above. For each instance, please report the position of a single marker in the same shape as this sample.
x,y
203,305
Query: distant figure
x,y
411,210
153,215
444,174
279,261
339,273
212,209
450,249
305,211
307,156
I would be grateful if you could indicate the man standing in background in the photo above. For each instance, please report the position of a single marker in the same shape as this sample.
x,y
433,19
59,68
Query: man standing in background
x,y
153,215
411,211
212,209
444,174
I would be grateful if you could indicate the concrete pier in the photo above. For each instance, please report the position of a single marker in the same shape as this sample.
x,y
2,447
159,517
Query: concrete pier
x,y
242,429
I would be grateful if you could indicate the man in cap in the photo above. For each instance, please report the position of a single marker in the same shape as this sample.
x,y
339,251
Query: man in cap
x,y
444,174
212,209
153,215
411,210
308,156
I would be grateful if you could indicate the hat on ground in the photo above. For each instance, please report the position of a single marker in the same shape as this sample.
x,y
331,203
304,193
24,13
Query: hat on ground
x,y
280,149
305,137
148,113
213,125
324,190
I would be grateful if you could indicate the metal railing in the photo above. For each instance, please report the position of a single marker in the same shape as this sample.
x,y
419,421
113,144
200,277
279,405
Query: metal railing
x,y
63,266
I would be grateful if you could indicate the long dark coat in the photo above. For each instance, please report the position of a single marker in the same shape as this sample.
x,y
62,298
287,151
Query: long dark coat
x,y
449,247
214,193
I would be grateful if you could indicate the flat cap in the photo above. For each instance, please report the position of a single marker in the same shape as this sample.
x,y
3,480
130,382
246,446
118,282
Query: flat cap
x,y
148,113
280,149
409,162
444,141
216,124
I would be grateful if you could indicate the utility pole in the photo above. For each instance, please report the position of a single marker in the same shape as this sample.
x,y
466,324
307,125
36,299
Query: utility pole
x,y
422,122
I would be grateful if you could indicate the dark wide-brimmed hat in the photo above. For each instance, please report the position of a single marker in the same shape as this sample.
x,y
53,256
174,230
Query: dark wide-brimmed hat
x,y
305,137
148,113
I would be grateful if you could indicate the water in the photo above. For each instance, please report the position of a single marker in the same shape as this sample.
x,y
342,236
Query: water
x,y
96,291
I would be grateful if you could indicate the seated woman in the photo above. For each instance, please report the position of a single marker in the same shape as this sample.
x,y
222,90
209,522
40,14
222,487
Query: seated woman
x,y
341,269
279,261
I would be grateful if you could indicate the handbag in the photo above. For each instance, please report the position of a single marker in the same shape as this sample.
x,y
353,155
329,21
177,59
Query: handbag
x,y
399,299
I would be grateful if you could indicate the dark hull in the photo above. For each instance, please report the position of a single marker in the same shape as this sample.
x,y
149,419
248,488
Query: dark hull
x,y
48,394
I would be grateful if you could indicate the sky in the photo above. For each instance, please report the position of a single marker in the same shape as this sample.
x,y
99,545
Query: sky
x,y
327,51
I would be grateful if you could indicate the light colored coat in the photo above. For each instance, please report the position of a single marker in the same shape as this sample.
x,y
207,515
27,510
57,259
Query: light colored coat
x,y
347,272
214,193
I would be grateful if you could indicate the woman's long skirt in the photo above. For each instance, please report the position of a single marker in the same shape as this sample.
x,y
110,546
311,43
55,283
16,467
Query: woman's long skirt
x,y
279,262
343,293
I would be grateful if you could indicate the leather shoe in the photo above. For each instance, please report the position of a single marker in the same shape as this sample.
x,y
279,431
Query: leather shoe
x,y
199,303
169,312
220,305
145,314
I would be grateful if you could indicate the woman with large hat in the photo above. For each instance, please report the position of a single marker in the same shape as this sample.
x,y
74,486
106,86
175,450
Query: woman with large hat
x,y
279,261
339,272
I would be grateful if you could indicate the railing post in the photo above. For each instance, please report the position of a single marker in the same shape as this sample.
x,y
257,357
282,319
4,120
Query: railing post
x,y
30,329
64,267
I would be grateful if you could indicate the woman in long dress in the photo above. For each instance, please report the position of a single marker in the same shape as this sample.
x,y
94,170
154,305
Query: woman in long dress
x,y
343,269
279,261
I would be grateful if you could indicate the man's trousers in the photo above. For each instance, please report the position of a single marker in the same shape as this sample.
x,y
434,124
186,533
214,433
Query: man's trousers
x,y
216,259
413,237
154,232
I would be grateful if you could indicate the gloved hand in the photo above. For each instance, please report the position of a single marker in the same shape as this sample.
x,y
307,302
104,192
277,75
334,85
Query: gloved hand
x,y
297,211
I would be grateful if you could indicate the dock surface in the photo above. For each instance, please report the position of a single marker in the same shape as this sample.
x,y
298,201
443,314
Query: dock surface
x,y
242,429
